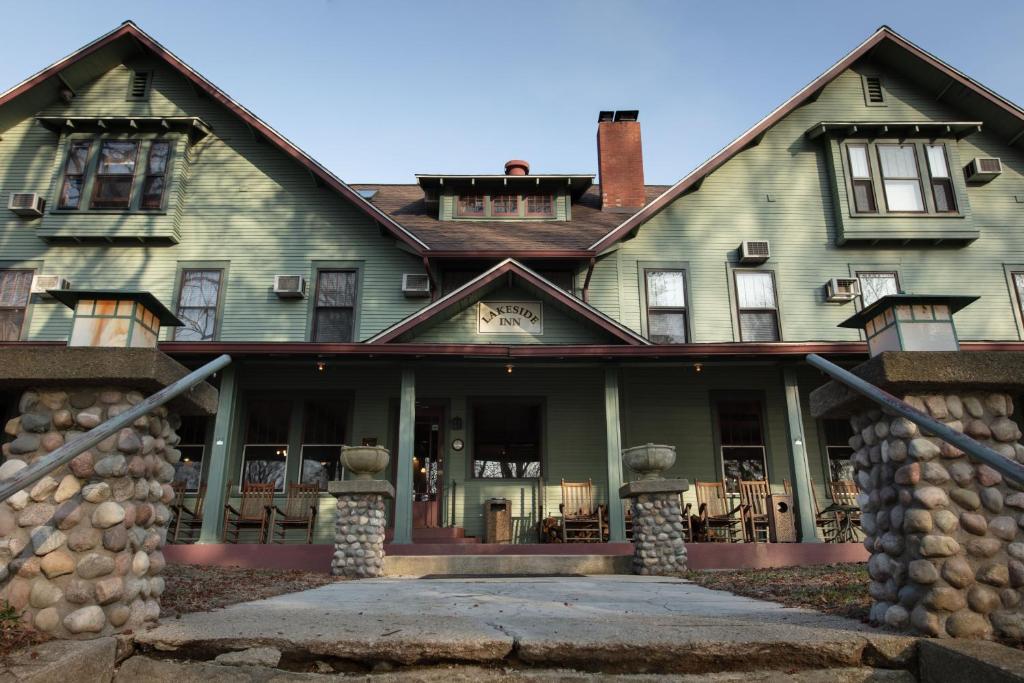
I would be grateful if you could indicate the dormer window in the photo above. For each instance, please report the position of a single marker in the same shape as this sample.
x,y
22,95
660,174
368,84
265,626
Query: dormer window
x,y
540,206
504,205
471,206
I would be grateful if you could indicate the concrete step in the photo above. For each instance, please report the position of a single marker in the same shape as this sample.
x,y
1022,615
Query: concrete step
x,y
509,565
438,533
978,661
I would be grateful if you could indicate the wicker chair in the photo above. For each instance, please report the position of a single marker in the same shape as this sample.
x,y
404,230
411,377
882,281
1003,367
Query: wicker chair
x,y
300,509
188,520
754,501
719,522
253,512
582,520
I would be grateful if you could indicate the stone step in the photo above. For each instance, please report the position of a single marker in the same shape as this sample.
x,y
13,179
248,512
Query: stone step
x,y
507,565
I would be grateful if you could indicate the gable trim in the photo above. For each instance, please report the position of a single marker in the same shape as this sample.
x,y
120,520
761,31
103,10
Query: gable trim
x,y
285,145
508,266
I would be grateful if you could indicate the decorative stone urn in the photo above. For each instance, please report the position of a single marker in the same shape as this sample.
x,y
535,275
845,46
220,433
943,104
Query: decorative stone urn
x,y
649,460
365,461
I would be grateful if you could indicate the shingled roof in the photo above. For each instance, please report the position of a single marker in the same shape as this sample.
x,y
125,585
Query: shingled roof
x,y
405,204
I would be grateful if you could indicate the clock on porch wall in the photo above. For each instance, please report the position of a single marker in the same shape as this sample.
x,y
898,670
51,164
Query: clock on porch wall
x,y
504,317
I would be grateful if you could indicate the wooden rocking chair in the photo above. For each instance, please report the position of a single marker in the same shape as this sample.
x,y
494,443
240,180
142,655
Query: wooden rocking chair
x,y
582,520
826,521
844,493
253,512
189,520
300,509
721,524
754,501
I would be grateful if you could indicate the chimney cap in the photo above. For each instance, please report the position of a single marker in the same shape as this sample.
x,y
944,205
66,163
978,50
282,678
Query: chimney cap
x,y
517,167
627,115
605,116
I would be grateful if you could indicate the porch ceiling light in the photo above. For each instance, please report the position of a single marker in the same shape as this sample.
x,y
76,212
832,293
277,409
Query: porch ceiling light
x,y
910,322
508,369
698,368
110,318
321,366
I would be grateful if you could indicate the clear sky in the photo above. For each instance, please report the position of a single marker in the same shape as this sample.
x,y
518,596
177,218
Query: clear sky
x,y
380,90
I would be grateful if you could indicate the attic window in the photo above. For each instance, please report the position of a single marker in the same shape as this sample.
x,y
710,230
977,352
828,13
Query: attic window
x,y
873,93
368,193
138,88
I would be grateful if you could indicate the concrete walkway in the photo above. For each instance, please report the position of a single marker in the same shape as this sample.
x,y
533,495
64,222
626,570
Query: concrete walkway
x,y
606,623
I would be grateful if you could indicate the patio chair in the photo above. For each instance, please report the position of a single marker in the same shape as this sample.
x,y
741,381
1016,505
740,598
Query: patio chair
x,y
253,512
720,522
825,520
754,501
582,520
844,493
299,512
188,520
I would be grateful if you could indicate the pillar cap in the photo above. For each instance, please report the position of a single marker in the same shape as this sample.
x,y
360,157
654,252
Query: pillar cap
x,y
361,487
644,487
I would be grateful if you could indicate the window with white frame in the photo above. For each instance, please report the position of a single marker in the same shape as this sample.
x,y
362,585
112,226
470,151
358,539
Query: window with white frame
x,y
666,306
198,299
323,433
901,178
757,305
189,468
874,285
265,451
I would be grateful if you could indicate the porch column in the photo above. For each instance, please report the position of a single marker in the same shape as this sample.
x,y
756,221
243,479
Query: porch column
x,y
616,521
403,476
798,458
217,464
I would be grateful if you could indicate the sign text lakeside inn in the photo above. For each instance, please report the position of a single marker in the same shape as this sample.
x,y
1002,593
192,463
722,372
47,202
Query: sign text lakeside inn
x,y
566,316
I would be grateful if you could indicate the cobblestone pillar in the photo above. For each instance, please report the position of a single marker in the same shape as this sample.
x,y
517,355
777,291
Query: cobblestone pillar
x,y
659,544
360,527
80,549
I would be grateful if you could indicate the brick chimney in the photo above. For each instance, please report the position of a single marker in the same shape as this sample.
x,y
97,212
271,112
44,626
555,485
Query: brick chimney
x,y
620,161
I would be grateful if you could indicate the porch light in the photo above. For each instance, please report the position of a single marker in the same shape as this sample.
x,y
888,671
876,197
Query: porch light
x,y
118,319
910,322
698,368
508,369
321,366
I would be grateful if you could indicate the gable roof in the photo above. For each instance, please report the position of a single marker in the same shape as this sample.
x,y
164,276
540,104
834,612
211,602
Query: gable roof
x,y
881,40
468,293
130,31
521,239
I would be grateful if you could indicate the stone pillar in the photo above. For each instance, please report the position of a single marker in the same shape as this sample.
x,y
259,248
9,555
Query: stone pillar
x,y
659,545
360,527
80,549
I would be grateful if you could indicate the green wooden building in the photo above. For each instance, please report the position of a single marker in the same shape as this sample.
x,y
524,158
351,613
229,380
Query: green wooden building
x,y
503,332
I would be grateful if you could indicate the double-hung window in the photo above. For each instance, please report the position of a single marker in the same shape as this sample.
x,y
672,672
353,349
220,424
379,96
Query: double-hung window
x,y
942,181
875,285
15,290
198,300
334,319
860,179
666,306
757,305
901,178
154,185
74,175
112,187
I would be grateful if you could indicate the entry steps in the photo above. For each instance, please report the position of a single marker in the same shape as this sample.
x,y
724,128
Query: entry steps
x,y
531,559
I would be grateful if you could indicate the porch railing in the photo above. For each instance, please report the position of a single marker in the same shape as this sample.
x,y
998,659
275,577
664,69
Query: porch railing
x,y
69,451
1010,469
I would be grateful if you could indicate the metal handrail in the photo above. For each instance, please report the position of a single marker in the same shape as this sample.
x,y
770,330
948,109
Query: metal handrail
x,y
69,451
1010,469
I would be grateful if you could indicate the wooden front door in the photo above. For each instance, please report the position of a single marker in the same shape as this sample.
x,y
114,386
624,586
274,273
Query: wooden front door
x,y
428,466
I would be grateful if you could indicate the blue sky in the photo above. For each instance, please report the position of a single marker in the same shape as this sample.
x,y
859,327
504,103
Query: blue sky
x,y
378,91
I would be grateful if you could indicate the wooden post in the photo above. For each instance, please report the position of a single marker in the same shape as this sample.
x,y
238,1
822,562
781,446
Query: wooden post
x,y
798,458
219,460
403,465
616,518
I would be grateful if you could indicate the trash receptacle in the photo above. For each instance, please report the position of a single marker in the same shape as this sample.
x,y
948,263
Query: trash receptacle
x,y
497,520
781,521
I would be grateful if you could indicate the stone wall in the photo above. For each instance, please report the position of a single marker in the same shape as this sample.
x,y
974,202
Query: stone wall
x,y
80,549
359,535
659,546
947,549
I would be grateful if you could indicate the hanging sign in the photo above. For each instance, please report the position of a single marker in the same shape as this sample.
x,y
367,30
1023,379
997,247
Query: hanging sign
x,y
504,317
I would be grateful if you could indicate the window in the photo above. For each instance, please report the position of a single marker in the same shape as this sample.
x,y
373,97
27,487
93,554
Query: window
x,y
197,304
1018,286
112,188
506,440
540,205
666,306
837,449
504,205
901,178
189,469
154,184
758,311
323,433
335,306
860,175
942,181
471,206
873,286
265,452
15,290
74,175
741,437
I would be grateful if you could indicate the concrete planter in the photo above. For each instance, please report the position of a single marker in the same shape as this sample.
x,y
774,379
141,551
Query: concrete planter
x,y
365,461
649,460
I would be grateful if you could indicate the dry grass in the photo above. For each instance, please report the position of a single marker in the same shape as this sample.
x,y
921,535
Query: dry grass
x,y
840,589
14,635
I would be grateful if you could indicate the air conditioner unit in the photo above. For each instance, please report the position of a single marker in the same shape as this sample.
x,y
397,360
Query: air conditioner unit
x,y
27,204
842,289
41,284
415,284
983,169
290,286
754,251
